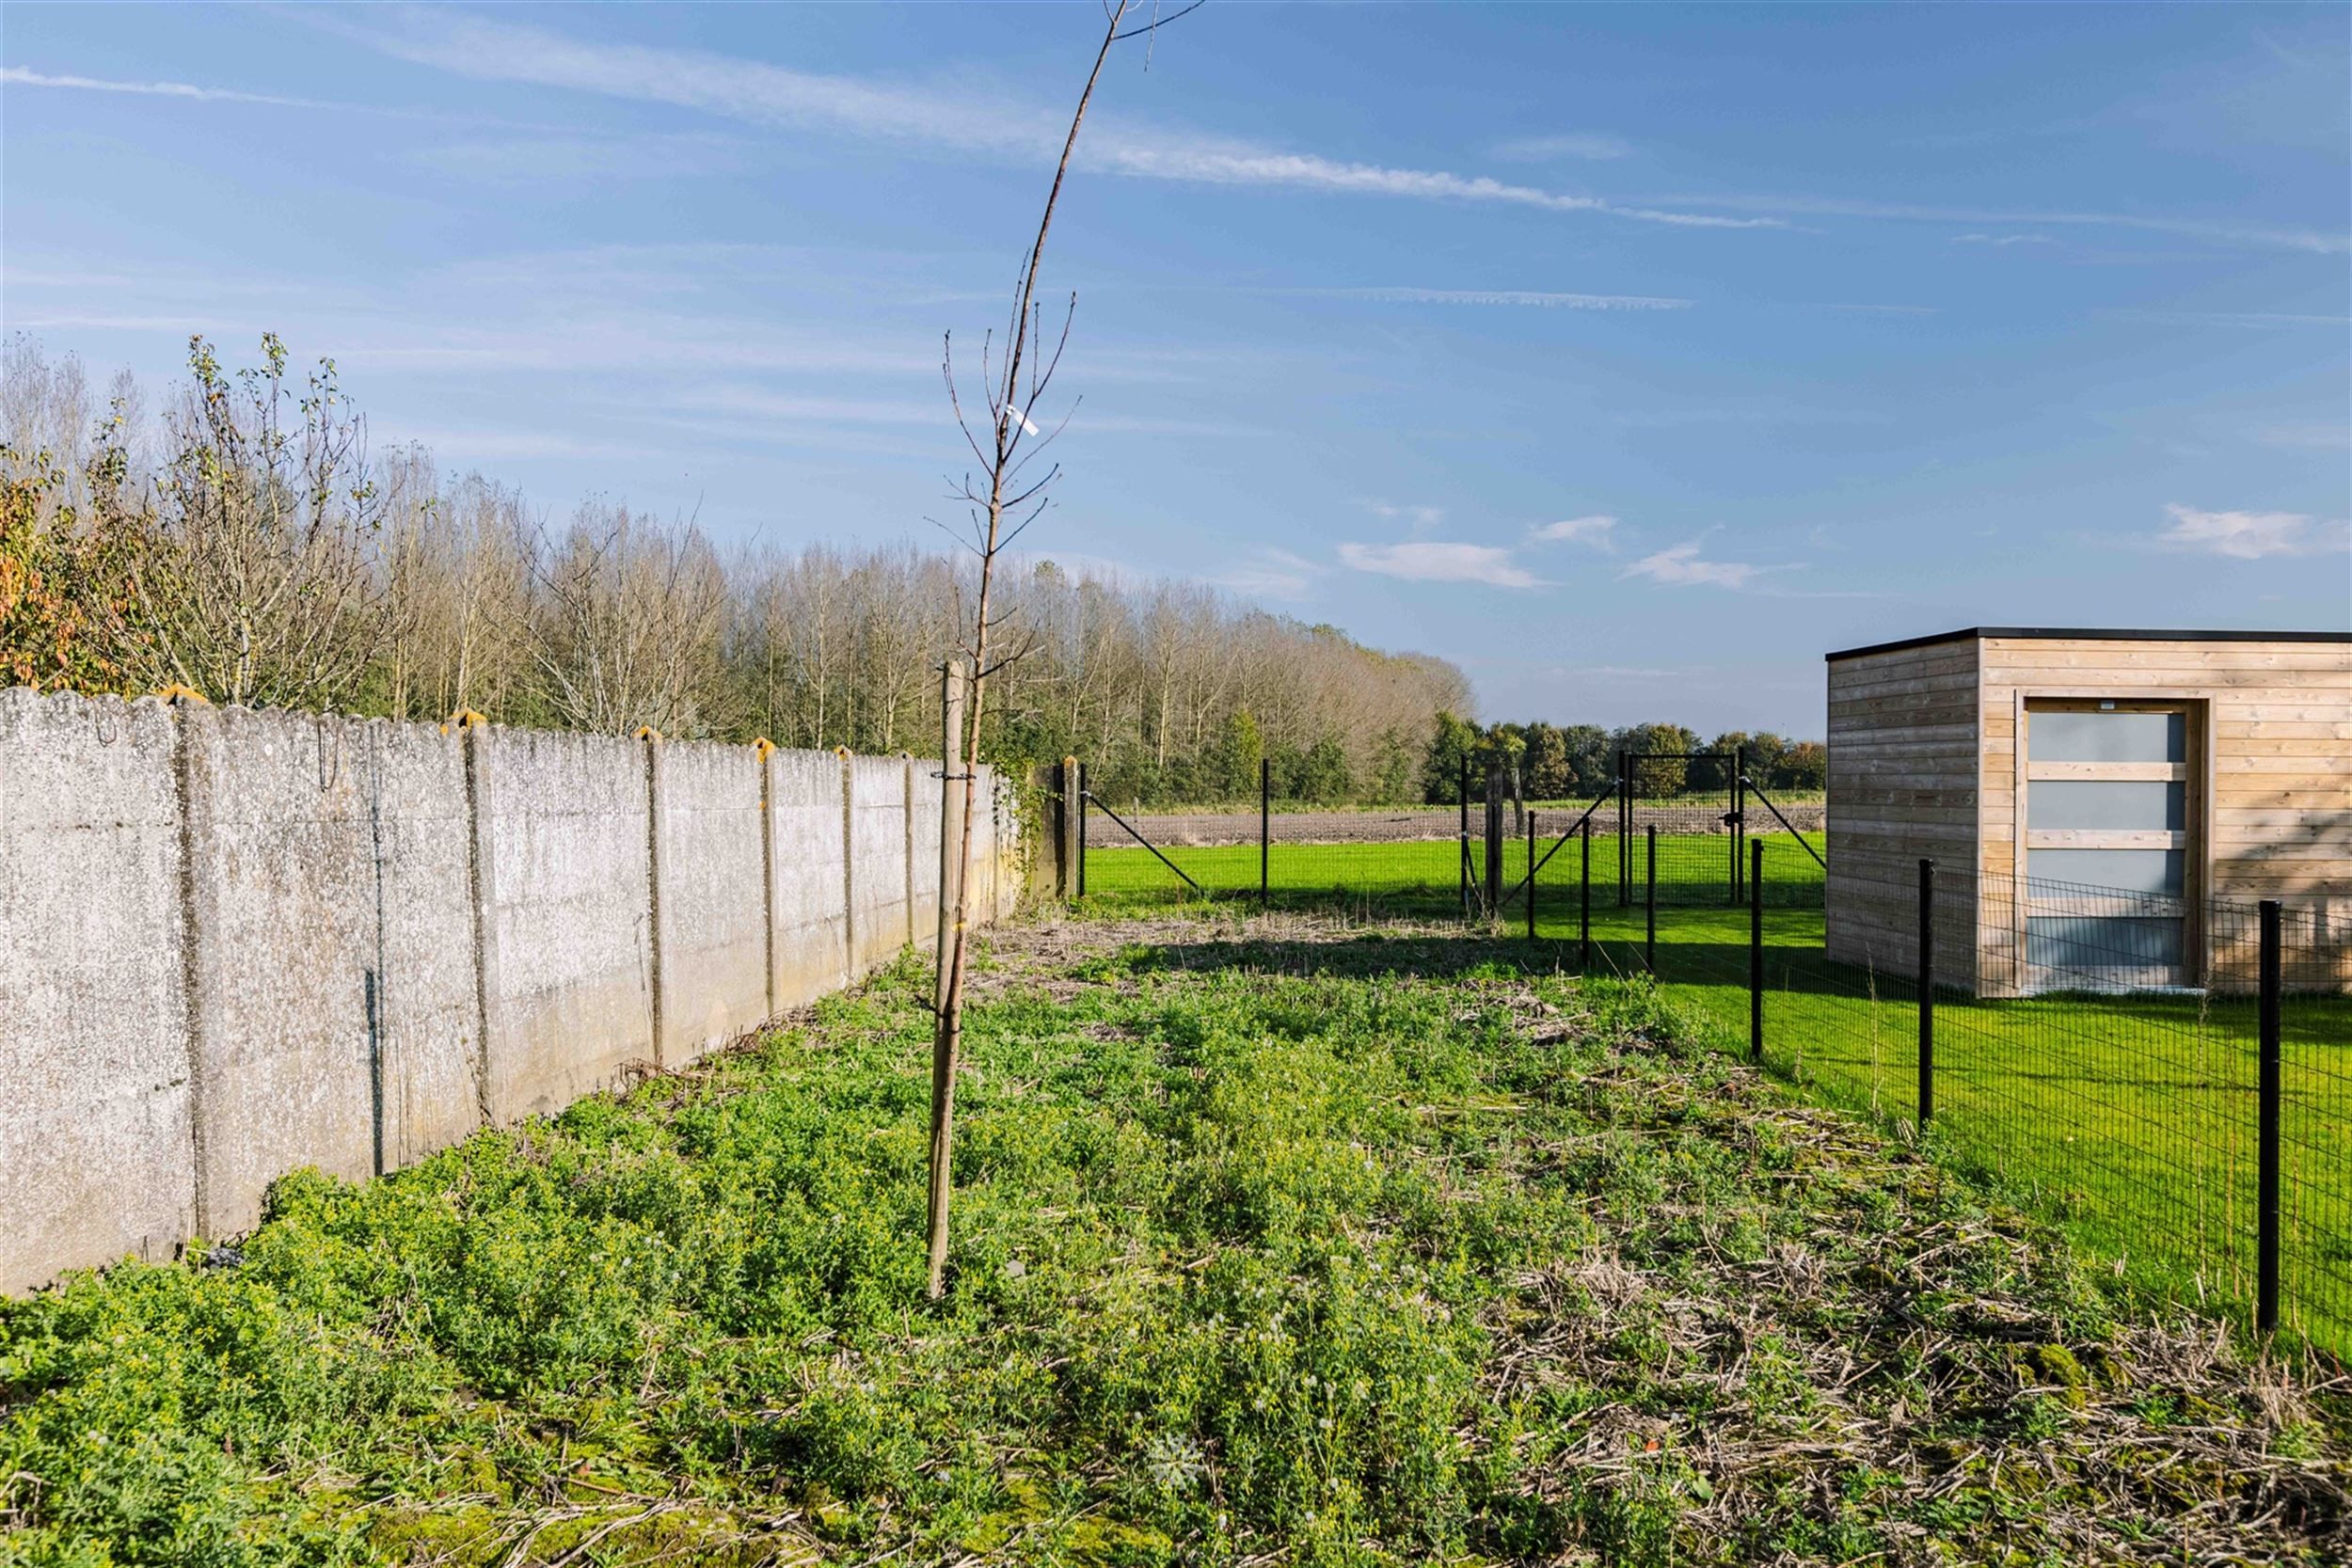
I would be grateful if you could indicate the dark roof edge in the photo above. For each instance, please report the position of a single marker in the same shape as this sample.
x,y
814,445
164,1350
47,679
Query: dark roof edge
x,y
2109,633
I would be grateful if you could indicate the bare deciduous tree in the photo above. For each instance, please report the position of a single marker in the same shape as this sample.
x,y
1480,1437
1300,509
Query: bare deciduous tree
x,y
456,565
632,626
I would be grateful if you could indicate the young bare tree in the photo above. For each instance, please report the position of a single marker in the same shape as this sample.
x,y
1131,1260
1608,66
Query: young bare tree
x,y
1000,504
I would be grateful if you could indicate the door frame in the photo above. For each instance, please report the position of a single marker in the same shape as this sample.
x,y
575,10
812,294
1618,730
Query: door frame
x,y
2196,706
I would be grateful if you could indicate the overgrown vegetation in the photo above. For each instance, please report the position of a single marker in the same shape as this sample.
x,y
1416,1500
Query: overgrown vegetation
x,y
1277,1242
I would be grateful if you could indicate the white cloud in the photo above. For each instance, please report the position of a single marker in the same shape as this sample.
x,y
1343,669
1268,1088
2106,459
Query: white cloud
x,y
1592,145
2248,535
1537,298
2259,318
1597,530
193,93
18,76
1429,561
2003,239
1681,566
1420,517
949,118
2248,235
2328,437
1267,573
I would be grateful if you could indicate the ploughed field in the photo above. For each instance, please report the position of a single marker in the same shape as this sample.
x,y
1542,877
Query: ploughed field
x,y
1402,824
1277,1240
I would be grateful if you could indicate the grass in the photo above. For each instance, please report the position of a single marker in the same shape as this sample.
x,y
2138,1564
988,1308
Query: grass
x,y
1424,877
1276,1241
2129,1119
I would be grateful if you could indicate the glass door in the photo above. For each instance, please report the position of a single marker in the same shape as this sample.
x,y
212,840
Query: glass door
x,y
2106,815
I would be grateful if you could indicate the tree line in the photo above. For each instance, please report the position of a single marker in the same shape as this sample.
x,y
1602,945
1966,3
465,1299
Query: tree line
x,y
1579,762
247,545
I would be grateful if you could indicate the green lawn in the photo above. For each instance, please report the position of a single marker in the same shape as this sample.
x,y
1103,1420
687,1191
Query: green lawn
x,y
1277,1241
2130,1119
1425,877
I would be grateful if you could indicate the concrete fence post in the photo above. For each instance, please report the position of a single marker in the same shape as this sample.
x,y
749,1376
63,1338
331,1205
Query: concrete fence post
x,y
187,713
906,817
651,739
1067,881
849,865
482,878
762,751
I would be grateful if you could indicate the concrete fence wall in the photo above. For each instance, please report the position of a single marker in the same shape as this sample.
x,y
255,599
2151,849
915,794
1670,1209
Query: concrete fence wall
x,y
233,943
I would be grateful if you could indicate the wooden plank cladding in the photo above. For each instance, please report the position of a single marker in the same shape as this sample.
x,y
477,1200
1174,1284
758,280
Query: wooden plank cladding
x,y
1930,754
1902,785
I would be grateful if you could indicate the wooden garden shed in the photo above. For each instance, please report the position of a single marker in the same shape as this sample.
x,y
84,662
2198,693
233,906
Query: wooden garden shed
x,y
2088,797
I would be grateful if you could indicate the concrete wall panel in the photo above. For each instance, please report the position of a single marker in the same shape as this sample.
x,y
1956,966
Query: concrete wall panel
x,y
877,858
808,892
568,840
96,1160
428,1021
281,907
714,933
927,819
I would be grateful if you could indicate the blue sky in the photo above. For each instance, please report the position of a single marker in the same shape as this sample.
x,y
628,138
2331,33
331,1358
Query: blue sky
x,y
1632,358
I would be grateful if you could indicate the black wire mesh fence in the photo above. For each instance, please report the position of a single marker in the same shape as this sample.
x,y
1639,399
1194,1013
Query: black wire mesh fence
x,y
1426,861
2098,1055
1469,860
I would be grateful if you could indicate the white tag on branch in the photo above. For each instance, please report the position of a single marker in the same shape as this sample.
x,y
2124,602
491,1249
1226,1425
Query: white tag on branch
x,y
1027,425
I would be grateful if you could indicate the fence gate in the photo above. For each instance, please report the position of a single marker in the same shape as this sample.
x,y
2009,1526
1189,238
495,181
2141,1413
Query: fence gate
x,y
1682,826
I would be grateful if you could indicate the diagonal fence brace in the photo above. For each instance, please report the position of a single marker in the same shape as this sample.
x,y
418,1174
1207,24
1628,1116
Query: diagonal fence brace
x,y
1097,800
1786,823
1598,802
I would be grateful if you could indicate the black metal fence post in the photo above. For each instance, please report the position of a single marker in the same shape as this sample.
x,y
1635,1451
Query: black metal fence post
x,y
1926,992
1082,830
1649,900
1738,821
1462,836
1494,841
1755,952
1531,876
1265,824
1585,900
1625,829
2267,1117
